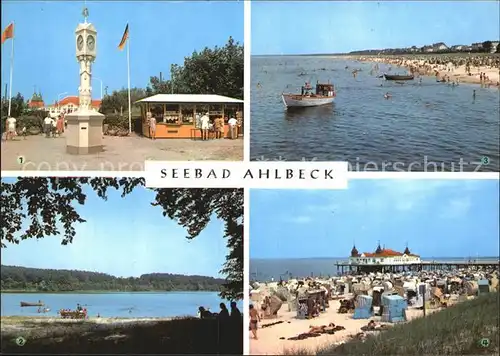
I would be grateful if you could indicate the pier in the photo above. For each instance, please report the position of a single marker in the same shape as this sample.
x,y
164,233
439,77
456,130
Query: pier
x,y
348,267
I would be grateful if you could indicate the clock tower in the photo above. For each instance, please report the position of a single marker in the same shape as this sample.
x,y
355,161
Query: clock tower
x,y
85,124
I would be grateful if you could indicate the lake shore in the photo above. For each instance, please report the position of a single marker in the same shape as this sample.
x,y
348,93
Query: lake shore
x,y
12,291
119,335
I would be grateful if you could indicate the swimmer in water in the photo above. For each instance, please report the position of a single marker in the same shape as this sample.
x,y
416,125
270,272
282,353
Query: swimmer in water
x,y
474,94
387,95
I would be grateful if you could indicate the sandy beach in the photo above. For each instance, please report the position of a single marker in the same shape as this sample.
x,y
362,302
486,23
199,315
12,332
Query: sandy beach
x,y
269,342
444,67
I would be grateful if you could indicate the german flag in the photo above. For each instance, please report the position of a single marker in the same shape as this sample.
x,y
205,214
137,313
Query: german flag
x,y
124,39
8,32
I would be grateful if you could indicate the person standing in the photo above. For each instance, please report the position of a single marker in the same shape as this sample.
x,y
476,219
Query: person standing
x,y
224,313
152,127
232,128
205,125
47,125
10,128
235,312
60,125
54,127
254,320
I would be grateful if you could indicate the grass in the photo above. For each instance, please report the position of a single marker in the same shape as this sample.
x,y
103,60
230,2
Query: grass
x,y
177,336
456,330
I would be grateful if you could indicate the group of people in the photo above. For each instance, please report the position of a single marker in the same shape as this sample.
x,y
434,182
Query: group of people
x,y
204,124
217,126
223,314
54,127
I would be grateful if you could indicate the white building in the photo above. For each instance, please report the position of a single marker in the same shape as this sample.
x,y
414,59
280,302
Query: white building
x,y
383,256
68,105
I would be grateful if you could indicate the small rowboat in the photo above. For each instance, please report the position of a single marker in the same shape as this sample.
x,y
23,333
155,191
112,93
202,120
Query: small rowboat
x,y
73,314
324,95
27,304
398,77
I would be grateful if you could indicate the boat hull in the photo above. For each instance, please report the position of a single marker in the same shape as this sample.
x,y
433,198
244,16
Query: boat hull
x,y
26,304
298,101
398,77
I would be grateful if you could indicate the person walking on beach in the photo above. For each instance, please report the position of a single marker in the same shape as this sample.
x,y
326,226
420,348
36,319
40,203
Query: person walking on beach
x,y
254,320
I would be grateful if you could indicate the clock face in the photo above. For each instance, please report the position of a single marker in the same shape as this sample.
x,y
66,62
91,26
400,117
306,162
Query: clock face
x,y
79,42
91,42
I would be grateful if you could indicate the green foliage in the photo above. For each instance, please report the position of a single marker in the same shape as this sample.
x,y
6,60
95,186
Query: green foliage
x,y
116,122
54,199
211,71
18,106
49,280
456,330
487,46
117,102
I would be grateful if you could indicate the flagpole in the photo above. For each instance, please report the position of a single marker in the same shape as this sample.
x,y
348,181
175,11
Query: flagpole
x,y
11,70
128,74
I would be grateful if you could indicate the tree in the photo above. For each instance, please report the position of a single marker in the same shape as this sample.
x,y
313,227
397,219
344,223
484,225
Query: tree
x,y
117,102
487,46
211,71
53,200
18,106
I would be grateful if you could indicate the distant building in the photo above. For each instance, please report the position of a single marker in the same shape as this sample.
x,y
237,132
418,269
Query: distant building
x,y
477,46
383,256
36,102
427,49
68,105
494,46
459,48
414,49
440,46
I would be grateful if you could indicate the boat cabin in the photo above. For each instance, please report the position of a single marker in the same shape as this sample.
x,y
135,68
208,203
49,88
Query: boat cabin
x,y
176,114
321,90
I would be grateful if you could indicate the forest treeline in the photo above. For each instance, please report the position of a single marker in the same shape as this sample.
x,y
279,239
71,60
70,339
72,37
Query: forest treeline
x,y
15,278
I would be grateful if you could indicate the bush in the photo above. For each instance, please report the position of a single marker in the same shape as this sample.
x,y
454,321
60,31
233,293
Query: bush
x,y
116,125
33,124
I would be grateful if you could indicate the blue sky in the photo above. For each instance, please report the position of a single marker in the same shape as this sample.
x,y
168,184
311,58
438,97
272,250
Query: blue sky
x,y
438,218
281,27
125,237
161,33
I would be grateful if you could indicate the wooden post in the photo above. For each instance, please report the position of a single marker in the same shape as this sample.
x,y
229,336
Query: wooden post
x,y
423,298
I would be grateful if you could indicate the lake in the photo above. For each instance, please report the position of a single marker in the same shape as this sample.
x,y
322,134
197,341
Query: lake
x,y
141,304
266,269
423,123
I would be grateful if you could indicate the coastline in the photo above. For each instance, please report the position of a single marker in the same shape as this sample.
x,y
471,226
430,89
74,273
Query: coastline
x,y
102,291
421,66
